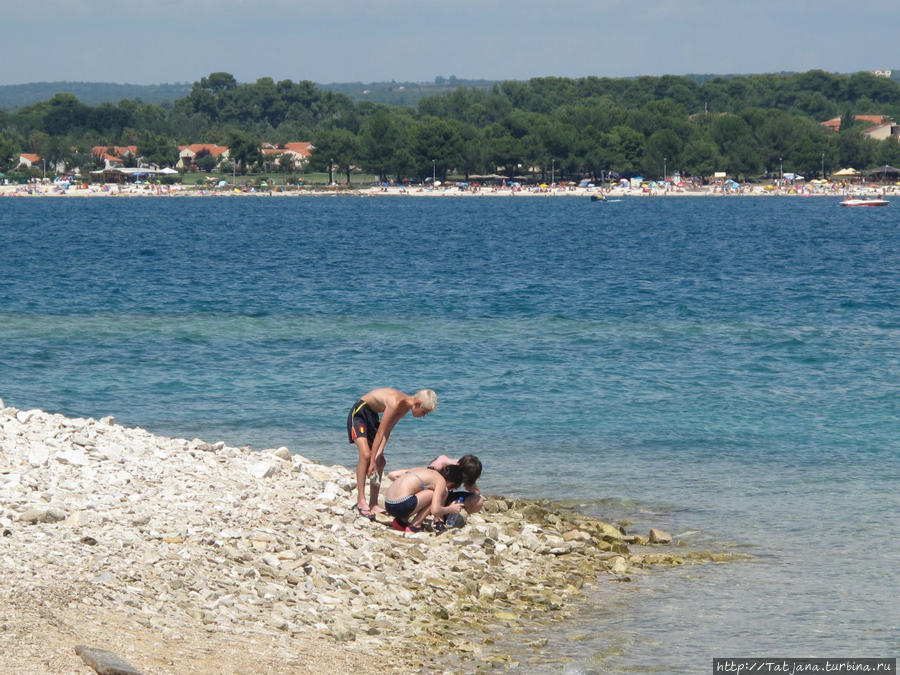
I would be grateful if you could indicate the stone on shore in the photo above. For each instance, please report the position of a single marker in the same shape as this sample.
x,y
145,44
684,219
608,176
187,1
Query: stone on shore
x,y
660,537
105,662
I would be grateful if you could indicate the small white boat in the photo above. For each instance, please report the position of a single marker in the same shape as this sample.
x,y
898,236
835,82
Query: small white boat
x,y
864,201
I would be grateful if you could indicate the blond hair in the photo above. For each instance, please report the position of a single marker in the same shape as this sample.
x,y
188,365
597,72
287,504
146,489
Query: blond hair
x,y
427,398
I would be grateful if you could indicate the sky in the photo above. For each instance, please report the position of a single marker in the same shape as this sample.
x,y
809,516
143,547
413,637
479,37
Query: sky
x,y
169,41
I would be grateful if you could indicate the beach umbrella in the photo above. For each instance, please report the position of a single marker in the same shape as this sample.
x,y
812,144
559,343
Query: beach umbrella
x,y
884,171
849,171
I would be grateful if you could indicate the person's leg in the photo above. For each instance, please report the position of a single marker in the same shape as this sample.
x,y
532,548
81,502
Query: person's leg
x,y
423,508
362,464
375,486
473,503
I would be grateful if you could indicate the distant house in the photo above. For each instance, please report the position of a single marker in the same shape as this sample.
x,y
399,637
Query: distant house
x,y
300,152
188,154
114,156
835,122
27,159
884,131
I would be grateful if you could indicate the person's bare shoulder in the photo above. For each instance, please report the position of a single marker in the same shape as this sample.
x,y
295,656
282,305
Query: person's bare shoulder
x,y
382,398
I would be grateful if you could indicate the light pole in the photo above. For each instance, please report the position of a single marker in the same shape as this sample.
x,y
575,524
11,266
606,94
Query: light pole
x,y
331,171
234,172
823,166
44,162
665,174
433,174
552,172
781,168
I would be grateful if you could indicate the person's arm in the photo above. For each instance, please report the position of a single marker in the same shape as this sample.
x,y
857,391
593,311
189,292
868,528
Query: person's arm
x,y
440,462
396,473
391,415
440,496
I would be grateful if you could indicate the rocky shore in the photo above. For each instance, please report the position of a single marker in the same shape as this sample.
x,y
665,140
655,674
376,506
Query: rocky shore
x,y
183,556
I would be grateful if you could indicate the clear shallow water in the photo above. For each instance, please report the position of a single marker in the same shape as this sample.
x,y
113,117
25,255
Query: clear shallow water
x,y
726,369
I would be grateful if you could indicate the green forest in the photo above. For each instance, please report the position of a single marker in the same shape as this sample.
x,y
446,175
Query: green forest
x,y
750,127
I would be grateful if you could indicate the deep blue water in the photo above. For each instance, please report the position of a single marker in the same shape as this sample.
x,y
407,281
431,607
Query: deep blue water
x,y
726,369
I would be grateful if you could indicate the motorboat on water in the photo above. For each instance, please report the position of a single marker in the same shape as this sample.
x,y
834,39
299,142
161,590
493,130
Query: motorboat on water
x,y
864,201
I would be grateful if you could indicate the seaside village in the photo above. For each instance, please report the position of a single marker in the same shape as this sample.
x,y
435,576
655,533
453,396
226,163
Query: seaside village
x,y
208,169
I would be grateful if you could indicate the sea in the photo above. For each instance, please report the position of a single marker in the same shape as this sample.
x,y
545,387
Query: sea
x,y
724,369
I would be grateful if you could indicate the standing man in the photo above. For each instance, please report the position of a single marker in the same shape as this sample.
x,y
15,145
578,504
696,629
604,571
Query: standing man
x,y
370,434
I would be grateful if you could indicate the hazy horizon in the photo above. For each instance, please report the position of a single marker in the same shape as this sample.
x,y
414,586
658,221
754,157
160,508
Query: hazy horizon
x,y
180,41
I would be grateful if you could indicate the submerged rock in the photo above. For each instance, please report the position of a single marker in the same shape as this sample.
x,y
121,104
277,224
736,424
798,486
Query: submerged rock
x,y
660,537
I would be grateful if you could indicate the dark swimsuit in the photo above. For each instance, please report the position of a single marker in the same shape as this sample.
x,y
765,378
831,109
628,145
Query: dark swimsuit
x,y
401,508
362,422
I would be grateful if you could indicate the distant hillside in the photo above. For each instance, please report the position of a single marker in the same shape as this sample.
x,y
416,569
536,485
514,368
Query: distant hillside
x,y
14,96
402,93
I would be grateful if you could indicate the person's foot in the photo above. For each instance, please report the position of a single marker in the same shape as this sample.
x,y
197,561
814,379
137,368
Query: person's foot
x,y
413,529
378,509
365,512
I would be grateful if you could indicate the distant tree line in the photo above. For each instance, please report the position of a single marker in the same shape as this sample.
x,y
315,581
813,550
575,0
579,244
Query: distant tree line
x,y
747,126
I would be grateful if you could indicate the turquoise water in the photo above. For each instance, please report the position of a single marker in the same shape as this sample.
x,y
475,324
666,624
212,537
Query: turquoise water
x,y
725,369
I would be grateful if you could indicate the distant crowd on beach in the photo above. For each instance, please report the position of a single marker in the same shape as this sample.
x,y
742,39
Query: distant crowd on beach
x,y
436,495
623,188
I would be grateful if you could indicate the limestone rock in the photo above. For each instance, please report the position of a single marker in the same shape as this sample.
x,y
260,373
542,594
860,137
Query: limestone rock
x,y
282,453
263,470
105,662
40,514
660,537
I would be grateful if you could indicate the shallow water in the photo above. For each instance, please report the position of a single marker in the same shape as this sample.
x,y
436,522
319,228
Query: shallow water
x,y
725,369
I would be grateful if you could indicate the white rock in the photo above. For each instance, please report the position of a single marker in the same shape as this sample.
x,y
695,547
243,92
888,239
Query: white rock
x,y
43,514
74,456
331,493
38,455
282,453
263,470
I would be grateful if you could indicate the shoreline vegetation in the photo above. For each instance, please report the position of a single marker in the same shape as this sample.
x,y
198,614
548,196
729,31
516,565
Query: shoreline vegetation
x,y
747,127
181,555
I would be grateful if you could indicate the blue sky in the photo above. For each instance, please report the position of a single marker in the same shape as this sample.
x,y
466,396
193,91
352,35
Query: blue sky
x,y
159,41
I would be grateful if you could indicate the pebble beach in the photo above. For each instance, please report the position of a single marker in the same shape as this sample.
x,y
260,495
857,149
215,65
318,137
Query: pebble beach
x,y
179,555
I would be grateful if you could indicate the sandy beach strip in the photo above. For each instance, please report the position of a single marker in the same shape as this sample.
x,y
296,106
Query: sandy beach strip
x,y
185,556
116,190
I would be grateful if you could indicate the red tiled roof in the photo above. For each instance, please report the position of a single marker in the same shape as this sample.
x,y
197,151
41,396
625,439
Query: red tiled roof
x,y
835,122
211,148
31,157
303,149
117,150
